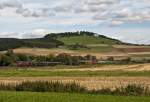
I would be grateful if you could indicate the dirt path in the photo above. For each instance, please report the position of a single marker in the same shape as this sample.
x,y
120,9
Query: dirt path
x,y
88,82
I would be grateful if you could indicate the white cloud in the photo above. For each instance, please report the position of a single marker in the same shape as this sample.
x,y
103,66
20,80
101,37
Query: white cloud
x,y
10,3
9,35
23,10
117,10
36,33
117,22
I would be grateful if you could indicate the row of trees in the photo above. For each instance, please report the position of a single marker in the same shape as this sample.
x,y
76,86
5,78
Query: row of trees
x,y
11,58
83,33
69,34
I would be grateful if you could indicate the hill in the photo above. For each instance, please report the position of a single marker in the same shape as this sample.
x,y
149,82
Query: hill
x,y
54,40
11,43
83,37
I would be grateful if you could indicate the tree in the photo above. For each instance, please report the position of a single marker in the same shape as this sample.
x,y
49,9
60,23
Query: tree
x,y
127,59
5,60
10,53
110,58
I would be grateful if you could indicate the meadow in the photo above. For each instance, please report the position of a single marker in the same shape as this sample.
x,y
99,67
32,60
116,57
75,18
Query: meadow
x,y
65,97
98,70
86,40
40,73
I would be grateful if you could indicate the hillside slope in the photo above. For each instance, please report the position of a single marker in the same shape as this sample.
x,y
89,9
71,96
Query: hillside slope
x,y
58,39
11,43
83,37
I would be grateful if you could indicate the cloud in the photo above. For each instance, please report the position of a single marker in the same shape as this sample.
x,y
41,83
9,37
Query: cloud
x,y
9,35
114,10
36,33
10,3
21,9
99,2
34,13
115,22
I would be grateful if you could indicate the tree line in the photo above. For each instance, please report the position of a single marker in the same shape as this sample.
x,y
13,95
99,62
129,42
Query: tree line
x,y
12,43
10,58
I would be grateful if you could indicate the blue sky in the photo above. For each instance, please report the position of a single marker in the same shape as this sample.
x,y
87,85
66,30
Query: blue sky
x,y
127,20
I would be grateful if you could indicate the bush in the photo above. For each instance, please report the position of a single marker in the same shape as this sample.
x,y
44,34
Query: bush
x,y
129,90
110,58
5,60
134,90
43,86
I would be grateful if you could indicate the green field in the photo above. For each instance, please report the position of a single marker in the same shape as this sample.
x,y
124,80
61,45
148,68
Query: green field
x,y
65,97
97,49
46,73
86,40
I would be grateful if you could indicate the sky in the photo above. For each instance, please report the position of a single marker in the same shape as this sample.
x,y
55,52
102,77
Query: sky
x,y
126,20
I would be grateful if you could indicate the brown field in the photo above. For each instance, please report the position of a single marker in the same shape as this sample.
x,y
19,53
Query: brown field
x,y
130,46
88,82
119,51
134,50
55,51
42,51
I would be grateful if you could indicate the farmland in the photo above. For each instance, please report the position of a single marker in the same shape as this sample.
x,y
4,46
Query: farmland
x,y
96,76
91,76
98,50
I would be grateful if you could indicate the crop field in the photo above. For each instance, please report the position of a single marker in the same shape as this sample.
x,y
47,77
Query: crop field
x,y
89,76
98,50
92,77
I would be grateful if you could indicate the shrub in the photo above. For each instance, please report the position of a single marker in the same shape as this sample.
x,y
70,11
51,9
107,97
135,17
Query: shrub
x,y
129,90
5,60
43,86
9,87
134,90
110,58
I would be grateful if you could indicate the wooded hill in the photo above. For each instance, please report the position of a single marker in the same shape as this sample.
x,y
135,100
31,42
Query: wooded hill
x,y
83,37
58,39
11,43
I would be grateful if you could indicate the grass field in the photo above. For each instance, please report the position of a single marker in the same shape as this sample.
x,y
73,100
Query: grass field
x,y
65,97
97,49
40,73
86,40
128,70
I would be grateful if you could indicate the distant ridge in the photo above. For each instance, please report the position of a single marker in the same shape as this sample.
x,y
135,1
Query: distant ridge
x,y
12,43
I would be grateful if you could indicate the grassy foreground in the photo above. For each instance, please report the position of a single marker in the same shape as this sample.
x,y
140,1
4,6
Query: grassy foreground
x,y
40,73
65,97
